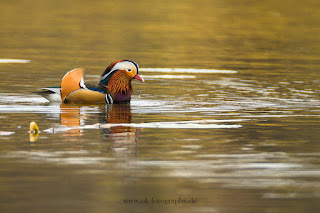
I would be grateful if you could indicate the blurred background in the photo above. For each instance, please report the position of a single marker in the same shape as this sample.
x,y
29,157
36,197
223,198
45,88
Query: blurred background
x,y
270,164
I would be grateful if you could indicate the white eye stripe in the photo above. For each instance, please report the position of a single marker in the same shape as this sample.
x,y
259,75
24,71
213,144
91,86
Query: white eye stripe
x,y
123,65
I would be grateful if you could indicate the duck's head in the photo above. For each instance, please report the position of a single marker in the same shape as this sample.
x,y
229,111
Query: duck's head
x,y
118,75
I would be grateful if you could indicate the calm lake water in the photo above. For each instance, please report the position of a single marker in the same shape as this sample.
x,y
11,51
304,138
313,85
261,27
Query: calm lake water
x,y
235,129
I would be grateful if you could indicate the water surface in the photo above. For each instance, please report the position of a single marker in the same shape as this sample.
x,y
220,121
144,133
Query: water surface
x,y
227,120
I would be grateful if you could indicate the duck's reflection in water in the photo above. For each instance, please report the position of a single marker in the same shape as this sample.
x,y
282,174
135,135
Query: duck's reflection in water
x,y
70,117
123,139
79,116
119,114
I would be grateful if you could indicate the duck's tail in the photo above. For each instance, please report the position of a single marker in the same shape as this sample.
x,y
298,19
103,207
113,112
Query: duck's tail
x,y
52,94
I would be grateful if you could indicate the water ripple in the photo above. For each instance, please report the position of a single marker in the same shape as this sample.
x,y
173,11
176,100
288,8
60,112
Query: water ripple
x,y
7,60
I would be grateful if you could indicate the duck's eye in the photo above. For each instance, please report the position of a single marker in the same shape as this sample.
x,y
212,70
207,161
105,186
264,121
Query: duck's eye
x,y
129,70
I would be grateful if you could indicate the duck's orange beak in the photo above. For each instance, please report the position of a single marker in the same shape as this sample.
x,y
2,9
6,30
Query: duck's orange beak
x,y
138,78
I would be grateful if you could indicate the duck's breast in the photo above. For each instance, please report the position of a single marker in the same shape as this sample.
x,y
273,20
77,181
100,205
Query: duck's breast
x,y
122,97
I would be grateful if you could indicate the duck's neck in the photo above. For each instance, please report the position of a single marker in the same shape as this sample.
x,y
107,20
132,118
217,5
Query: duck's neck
x,y
119,86
119,83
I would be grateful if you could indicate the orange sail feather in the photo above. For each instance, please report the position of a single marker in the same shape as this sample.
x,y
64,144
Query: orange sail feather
x,y
71,82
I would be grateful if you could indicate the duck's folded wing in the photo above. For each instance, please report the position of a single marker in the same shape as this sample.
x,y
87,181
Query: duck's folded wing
x,y
87,96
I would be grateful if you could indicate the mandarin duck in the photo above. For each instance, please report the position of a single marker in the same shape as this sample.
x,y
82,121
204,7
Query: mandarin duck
x,y
114,86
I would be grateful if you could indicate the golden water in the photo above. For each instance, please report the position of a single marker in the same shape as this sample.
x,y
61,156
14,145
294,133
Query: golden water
x,y
244,141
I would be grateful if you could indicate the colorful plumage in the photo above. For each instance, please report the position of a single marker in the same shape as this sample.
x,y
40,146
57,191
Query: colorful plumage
x,y
114,86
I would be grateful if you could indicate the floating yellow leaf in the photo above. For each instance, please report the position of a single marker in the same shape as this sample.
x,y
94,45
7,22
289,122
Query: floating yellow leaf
x,y
34,128
34,131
